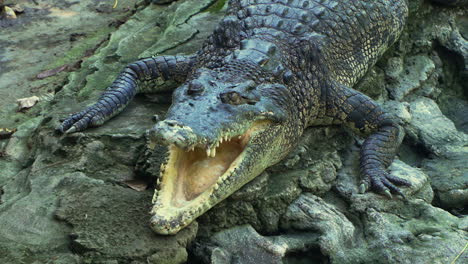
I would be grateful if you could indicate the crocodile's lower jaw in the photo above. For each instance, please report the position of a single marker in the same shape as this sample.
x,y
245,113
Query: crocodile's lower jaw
x,y
191,182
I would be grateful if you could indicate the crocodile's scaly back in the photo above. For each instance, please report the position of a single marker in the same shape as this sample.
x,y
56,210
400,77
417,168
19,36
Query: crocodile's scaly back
x,y
348,36
358,33
316,41
270,69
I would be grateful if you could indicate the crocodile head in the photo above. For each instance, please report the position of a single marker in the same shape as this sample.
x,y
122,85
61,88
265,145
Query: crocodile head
x,y
224,128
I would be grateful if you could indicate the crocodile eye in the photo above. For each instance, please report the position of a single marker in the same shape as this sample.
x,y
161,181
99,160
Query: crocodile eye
x,y
234,98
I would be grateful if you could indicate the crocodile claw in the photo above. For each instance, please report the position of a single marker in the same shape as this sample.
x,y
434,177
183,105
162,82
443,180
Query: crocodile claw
x,y
384,183
388,194
71,130
90,117
363,188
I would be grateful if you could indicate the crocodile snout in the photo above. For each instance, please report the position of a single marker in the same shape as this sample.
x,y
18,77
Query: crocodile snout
x,y
172,132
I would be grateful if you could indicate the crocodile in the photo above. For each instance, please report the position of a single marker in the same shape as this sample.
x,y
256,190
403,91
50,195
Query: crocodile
x,y
270,69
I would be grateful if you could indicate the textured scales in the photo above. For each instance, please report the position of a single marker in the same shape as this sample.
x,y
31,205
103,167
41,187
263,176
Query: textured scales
x,y
269,70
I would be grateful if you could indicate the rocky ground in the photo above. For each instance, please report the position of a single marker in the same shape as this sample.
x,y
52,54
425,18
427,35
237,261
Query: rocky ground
x,y
84,198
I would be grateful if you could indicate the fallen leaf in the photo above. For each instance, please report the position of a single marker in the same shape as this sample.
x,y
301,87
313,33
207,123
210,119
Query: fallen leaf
x,y
136,185
51,72
62,13
26,103
6,133
9,13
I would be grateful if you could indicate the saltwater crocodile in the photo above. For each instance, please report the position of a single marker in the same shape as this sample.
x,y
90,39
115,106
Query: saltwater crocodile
x,y
271,69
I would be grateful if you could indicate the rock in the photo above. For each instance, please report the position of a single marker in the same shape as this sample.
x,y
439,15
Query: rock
x,y
431,128
162,1
420,185
26,214
254,190
404,236
399,109
259,249
112,222
281,191
449,178
455,108
409,75
311,213
169,256
243,245
17,8
17,147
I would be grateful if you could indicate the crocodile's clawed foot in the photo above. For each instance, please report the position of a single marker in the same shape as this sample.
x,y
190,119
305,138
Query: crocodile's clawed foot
x,y
90,117
384,183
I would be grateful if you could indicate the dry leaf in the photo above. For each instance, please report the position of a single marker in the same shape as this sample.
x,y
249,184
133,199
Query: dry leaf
x,y
6,133
9,13
51,72
26,103
136,185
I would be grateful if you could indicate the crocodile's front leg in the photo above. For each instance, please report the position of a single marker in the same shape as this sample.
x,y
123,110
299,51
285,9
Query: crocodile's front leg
x,y
360,113
142,75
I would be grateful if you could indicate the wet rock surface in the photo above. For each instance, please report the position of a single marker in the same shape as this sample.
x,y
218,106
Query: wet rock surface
x,y
66,199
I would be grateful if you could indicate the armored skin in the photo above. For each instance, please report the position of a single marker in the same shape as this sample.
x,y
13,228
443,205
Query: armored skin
x,y
271,69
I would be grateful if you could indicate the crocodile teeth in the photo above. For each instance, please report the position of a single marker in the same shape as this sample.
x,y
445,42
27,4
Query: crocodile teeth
x,y
208,152
225,138
213,152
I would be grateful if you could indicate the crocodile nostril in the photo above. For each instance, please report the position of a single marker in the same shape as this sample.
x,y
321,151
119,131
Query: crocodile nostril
x,y
195,87
171,123
172,132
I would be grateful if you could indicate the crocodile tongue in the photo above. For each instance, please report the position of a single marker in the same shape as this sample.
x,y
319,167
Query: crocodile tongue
x,y
195,171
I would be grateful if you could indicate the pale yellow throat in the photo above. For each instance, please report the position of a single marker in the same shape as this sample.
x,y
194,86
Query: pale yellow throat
x,y
197,172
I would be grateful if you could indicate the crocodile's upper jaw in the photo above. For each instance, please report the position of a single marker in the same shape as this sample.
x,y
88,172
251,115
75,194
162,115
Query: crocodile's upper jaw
x,y
193,181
